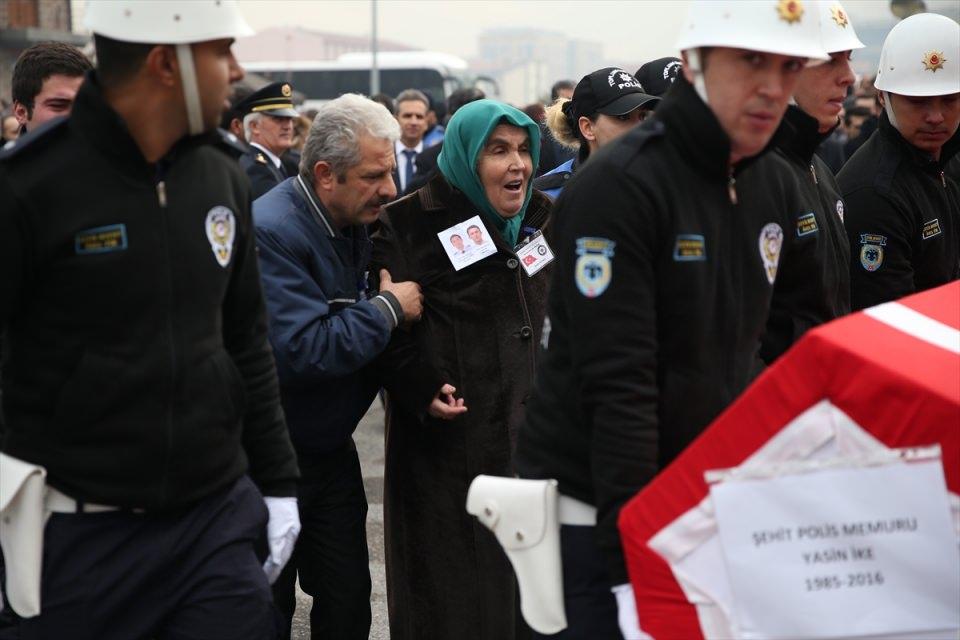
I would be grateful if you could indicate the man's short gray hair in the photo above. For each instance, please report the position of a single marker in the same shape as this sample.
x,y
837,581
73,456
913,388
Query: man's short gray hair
x,y
336,131
408,95
247,119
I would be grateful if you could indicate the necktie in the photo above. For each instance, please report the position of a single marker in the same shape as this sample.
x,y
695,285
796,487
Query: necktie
x,y
410,154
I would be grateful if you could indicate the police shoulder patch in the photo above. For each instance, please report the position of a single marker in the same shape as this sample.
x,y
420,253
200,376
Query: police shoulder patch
x,y
871,253
221,227
594,268
771,241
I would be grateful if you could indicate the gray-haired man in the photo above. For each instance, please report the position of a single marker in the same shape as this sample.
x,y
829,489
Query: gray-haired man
x,y
325,329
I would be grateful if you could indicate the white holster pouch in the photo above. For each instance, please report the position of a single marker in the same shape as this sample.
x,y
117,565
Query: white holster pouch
x,y
523,515
23,514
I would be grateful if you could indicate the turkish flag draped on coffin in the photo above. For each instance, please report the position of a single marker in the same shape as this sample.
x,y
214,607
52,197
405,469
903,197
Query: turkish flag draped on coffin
x,y
889,376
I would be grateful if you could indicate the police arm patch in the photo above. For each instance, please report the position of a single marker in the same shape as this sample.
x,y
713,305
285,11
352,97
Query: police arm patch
x,y
594,268
221,229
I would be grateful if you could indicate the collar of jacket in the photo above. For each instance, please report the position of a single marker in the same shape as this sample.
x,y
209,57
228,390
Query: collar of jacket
x,y
696,130
920,158
438,194
316,207
95,120
799,135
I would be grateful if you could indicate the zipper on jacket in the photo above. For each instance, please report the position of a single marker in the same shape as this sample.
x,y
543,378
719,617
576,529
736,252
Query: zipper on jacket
x,y
161,186
943,180
732,188
813,174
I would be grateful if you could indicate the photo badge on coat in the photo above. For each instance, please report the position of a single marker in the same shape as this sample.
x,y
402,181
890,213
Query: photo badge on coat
x,y
467,242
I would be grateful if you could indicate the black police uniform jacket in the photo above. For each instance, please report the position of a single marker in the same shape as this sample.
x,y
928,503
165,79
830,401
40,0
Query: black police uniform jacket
x,y
447,576
903,217
660,293
136,363
814,286
263,175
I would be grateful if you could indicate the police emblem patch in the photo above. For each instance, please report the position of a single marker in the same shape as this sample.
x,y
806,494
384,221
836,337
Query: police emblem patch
x,y
933,61
871,253
594,269
221,230
286,91
790,10
771,241
806,224
840,209
839,16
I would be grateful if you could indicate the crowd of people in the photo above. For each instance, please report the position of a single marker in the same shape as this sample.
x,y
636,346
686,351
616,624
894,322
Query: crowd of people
x,y
203,292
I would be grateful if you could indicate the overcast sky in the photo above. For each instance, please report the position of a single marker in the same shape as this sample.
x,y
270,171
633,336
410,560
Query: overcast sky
x,y
628,29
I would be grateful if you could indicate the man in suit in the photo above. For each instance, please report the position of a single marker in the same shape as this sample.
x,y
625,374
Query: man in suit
x,y
268,128
412,107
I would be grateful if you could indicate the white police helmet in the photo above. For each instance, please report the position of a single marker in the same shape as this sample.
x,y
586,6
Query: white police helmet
x,y
175,22
836,30
785,27
166,21
921,57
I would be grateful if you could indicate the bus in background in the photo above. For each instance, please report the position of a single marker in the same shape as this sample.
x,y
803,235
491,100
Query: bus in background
x,y
438,74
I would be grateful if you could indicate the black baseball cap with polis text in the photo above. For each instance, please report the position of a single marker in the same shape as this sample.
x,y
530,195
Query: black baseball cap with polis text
x,y
657,76
610,91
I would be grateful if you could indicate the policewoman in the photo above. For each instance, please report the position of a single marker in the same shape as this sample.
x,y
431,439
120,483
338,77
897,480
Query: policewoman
x,y
903,208
458,380
814,286
606,104
661,289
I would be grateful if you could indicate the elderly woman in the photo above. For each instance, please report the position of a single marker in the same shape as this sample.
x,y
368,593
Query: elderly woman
x,y
458,380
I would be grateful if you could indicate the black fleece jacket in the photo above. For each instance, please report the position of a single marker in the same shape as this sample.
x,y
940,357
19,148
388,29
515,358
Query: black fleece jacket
x,y
136,364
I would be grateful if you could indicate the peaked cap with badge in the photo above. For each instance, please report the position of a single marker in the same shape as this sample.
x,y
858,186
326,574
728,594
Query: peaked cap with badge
x,y
275,99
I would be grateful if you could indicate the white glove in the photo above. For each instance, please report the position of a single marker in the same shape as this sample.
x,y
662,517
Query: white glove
x,y
282,531
627,613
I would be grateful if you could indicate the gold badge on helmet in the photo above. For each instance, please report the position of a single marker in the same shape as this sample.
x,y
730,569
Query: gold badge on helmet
x,y
933,60
790,10
839,16
286,91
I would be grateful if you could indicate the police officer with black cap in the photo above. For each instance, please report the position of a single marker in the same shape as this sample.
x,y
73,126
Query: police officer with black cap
x,y
268,128
657,76
606,104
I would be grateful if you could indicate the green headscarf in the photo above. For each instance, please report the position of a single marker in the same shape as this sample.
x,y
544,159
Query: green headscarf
x,y
464,139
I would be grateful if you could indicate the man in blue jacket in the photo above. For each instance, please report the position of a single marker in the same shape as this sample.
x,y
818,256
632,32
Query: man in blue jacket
x,y
324,329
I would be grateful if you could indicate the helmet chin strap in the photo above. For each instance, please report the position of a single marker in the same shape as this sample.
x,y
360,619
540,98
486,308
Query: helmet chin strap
x,y
191,92
693,57
888,107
